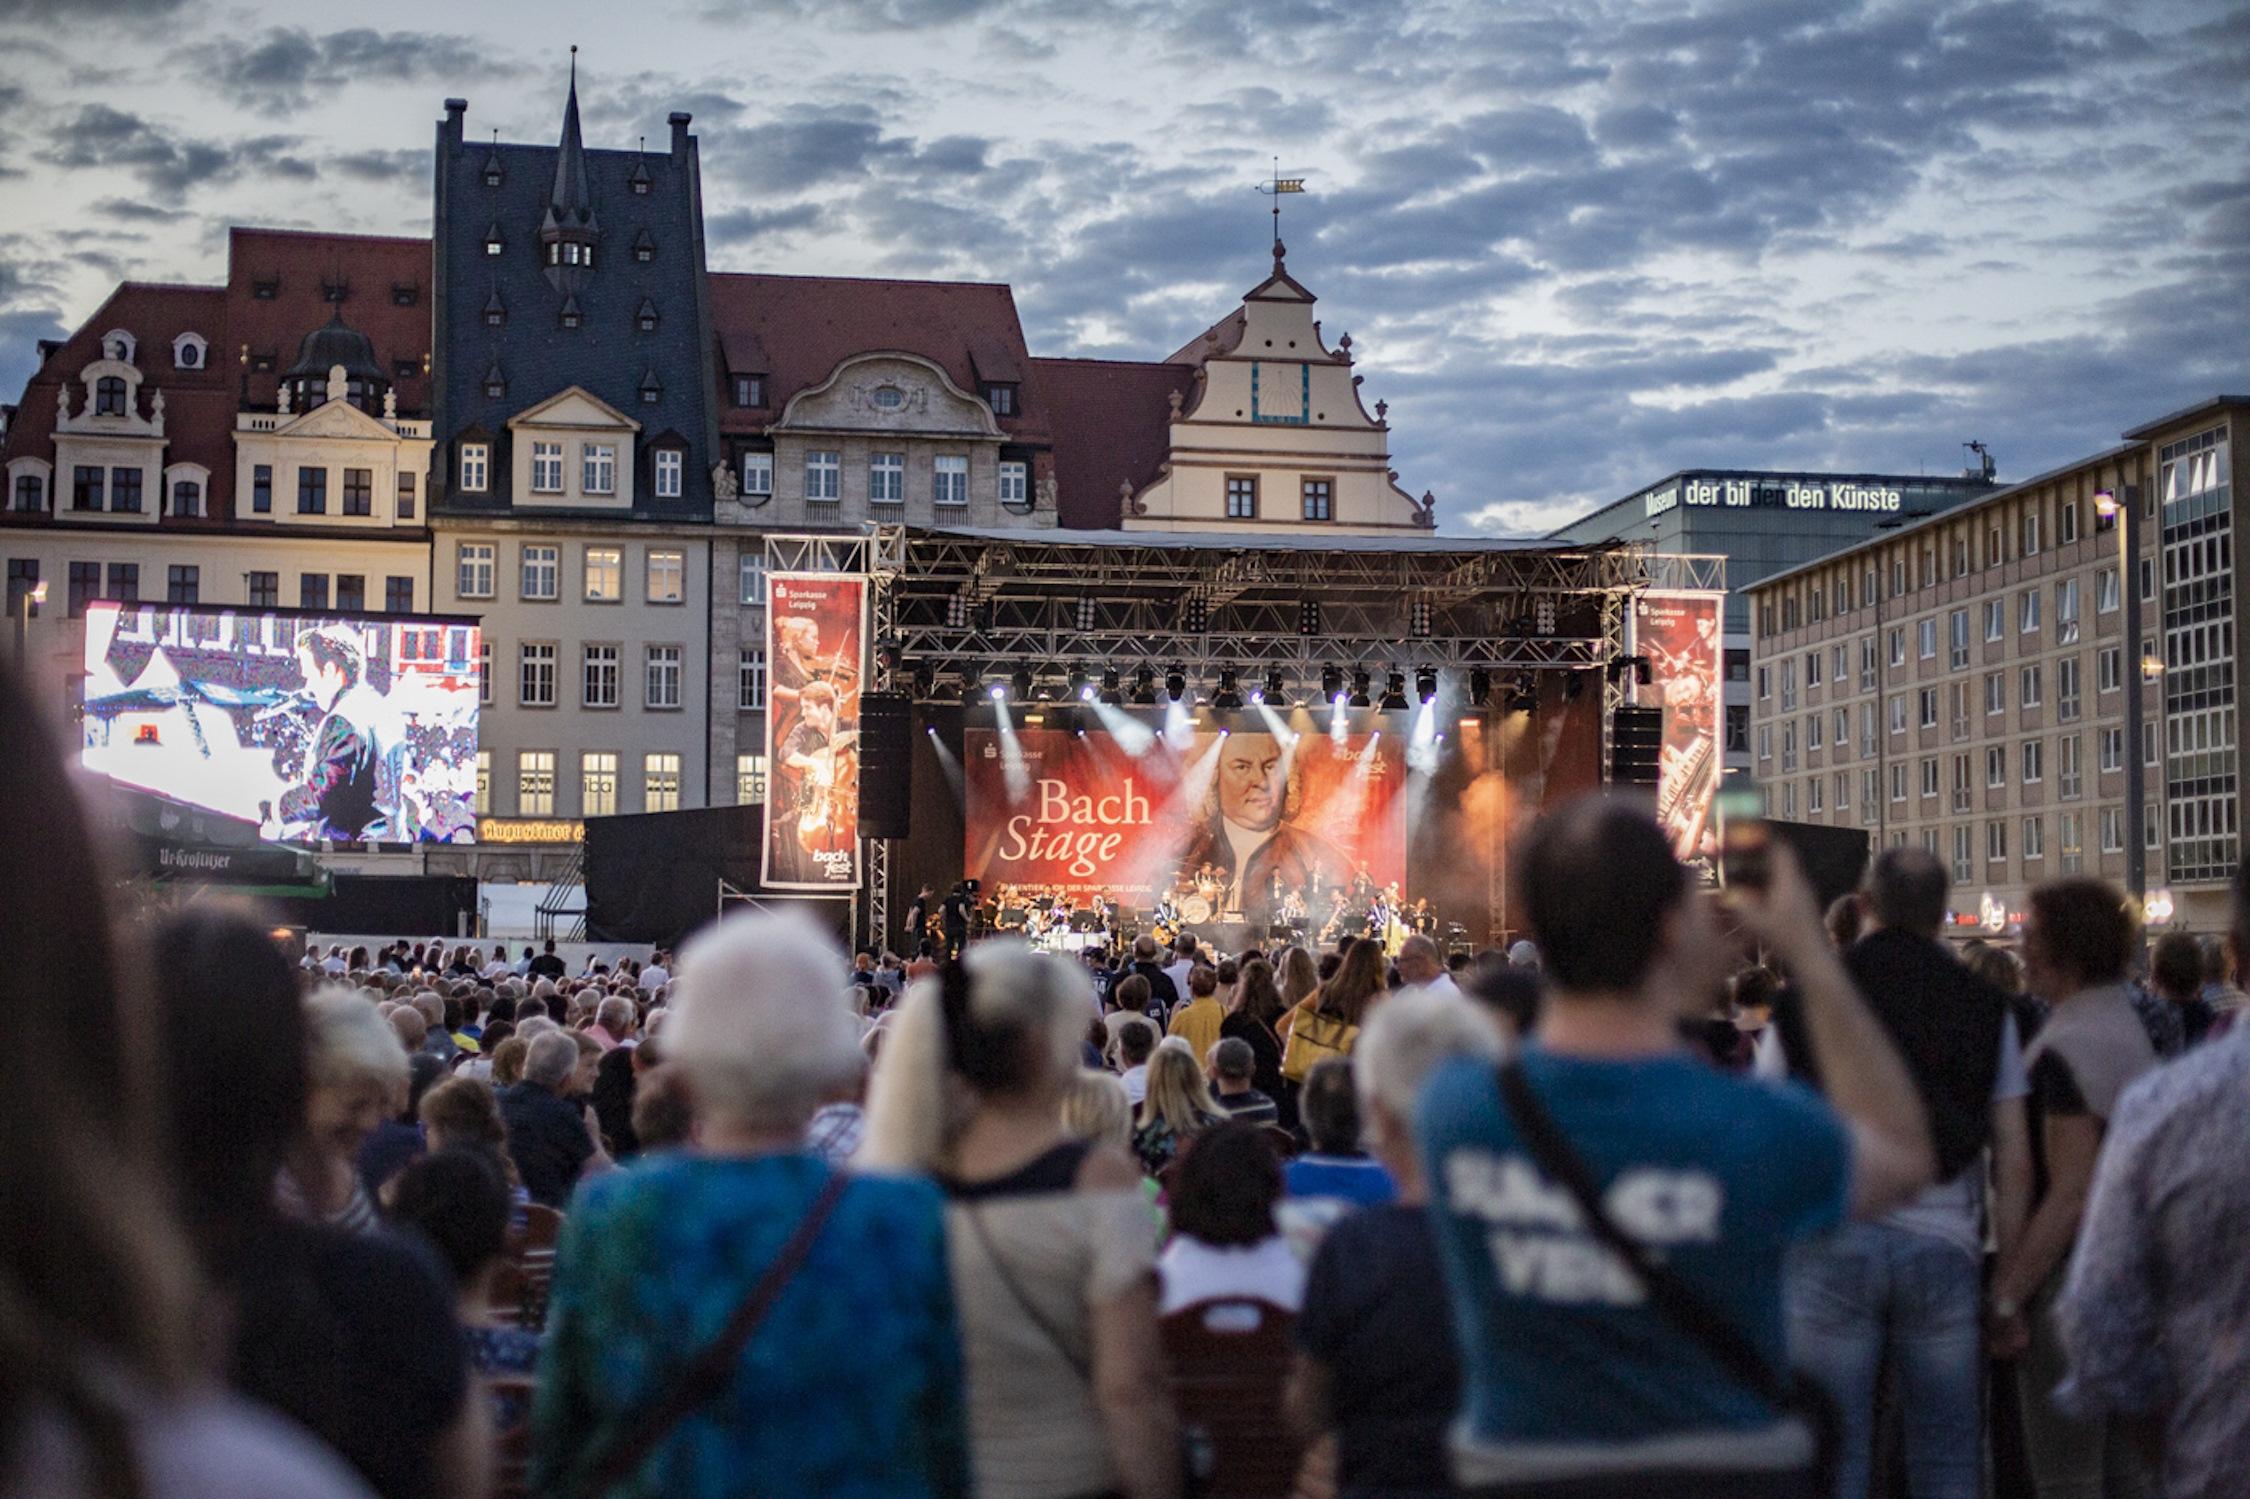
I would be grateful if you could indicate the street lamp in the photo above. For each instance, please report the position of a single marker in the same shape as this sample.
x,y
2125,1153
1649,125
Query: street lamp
x,y
34,595
2127,514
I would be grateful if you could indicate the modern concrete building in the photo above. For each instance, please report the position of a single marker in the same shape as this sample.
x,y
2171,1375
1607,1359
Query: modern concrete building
x,y
1962,682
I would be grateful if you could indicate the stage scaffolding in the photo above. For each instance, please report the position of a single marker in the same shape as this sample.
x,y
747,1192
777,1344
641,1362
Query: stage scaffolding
x,y
952,609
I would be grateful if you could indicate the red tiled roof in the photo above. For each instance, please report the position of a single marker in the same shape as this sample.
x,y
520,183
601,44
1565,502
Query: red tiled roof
x,y
1112,425
302,266
198,404
795,330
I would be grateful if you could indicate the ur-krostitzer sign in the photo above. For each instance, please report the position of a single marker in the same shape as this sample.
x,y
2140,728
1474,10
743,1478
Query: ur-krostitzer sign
x,y
1774,494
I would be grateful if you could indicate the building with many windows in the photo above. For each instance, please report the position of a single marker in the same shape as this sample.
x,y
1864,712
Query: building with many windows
x,y
1962,682
260,443
1763,522
572,482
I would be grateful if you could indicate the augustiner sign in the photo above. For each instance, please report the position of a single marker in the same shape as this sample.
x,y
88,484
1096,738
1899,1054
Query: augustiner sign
x,y
529,830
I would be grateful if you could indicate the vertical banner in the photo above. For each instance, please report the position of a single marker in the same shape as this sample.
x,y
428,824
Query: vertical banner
x,y
816,633
1679,633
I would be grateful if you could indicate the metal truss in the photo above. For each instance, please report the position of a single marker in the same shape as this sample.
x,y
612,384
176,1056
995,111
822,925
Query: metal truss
x,y
1681,572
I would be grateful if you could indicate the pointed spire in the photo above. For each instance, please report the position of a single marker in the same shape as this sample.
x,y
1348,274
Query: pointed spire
x,y
571,197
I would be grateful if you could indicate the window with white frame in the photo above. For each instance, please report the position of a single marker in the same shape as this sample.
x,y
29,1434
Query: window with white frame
x,y
2034,838
2028,694
1925,638
2034,761
2066,522
1898,647
1898,783
1813,802
749,780
484,671
757,474
1843,791
2105,591
542,571
546,468
535,676
2113,830
605,574
2069,832
2070,768
1995,766
1995,619
667,573
1812,668
1929,777
1964,853
951,479
823,476
753,570
1867,664
1928,705
2030,533
601,676
1995,692
476,461
597,777
668,470
750,681
1996,842
535,783
1788,685
1765,741
2066,689
1765,683
1015,483
663,676
597,467
2027,611
1843,736
474,560
2113,749
886,479
484,783
1813,731
2109,668
1867,728
1870,795
1898,713
1788,746
660,782
1957,632
2066,612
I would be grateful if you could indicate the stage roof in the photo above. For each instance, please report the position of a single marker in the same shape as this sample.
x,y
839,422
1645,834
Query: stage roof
x,y
1266,541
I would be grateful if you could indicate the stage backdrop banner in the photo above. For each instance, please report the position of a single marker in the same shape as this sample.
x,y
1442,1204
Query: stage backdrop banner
x,y
816,633
1679,633
1079,813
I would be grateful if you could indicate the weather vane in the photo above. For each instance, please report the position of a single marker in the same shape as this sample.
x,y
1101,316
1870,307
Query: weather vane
x,y
1274,190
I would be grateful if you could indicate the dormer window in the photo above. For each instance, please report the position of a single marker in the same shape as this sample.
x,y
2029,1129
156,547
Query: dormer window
x,y
639,182
491,176
494,240
266,290
335,291
571,315
495,310
494,172
652,389
644,246
405,369
1001,398
189,352
109,396
749,390
404,294
640,187
495,384
645,317
117,344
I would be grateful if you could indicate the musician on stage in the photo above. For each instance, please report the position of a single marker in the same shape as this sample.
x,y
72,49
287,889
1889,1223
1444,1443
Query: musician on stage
x,y
1247,836
1363,883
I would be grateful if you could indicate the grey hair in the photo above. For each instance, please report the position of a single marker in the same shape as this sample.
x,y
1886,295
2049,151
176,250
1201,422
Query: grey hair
x,y
1408,1036
760,1027
347,1038
552,1056
614,1014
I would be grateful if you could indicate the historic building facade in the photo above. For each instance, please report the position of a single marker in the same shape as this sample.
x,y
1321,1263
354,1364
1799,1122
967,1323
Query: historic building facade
x,y
261,443
1961,682
571,482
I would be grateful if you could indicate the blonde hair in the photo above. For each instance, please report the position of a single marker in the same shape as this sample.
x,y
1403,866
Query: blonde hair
x,y
917,1099
1096,1109
1298,977
1177,1094
347,1040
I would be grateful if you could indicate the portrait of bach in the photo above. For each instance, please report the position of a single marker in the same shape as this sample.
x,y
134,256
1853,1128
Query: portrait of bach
x,y
1249,834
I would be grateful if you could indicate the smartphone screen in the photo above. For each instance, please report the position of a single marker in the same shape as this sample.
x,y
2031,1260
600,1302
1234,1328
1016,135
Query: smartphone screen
x,y
1745,838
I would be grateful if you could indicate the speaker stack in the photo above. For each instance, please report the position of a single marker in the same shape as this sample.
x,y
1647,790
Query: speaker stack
x,y
886,778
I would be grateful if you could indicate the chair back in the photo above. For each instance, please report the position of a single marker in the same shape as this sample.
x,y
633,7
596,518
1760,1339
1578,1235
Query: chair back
x,y
1228,1358
511,1446
530,1266
1284,1143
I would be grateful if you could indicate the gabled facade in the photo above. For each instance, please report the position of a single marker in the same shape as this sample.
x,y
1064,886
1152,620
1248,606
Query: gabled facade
x,y
1273,435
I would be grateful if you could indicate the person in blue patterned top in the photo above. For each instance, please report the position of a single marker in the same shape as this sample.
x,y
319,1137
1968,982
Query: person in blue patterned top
x,y
852,1385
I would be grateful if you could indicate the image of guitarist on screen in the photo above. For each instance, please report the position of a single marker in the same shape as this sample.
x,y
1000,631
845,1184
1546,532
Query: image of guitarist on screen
x,y
817,777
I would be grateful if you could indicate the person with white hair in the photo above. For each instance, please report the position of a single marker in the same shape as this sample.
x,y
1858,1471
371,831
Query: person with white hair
x,y
613,1023
356,1077
1053,1247
840,1367
1376,1361
553,1138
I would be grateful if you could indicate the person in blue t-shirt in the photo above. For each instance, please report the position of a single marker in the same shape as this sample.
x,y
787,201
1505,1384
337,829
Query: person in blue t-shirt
x,y
1572,1375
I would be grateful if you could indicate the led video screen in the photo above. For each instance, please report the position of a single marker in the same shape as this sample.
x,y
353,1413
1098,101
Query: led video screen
x,y
360,729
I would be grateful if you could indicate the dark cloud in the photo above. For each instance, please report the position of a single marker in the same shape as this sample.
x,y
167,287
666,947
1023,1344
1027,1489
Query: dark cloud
x,y
67,12
132,211
100,136
803,150
742,225
403,167
290,69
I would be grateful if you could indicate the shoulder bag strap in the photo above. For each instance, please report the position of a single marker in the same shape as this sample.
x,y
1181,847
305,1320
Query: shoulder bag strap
x,y
1673,1297
1016,1293
708,1373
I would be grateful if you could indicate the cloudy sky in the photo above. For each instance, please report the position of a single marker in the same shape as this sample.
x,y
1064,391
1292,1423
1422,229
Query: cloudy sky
x,y
1578,243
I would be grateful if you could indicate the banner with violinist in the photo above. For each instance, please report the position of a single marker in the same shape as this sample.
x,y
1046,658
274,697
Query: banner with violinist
x,y
1679,633
816,630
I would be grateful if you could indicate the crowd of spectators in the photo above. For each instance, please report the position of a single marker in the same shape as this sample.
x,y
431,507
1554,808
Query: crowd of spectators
x,y
1687,1194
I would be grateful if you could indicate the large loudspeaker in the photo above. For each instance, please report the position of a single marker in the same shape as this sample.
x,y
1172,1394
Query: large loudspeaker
x,y
886,743
1636,744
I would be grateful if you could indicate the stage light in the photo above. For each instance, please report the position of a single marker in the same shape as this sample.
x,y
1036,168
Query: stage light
x,y
1110,693
1144,688
1276,693
1308,617
1175,686
1418,619
1086,616
1022,685
1195,614
1480,686
1543,616
956,611
1523,697
1425,684
1078,687
1000,691
1360,683
1394,693
1331,683
1230,692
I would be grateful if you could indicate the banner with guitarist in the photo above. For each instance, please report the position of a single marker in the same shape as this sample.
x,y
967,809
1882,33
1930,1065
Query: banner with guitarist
x,y
1679,633
816,629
